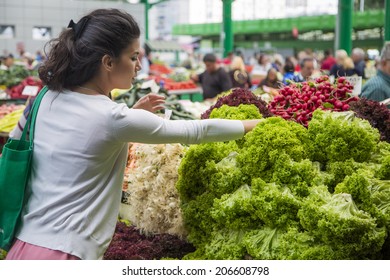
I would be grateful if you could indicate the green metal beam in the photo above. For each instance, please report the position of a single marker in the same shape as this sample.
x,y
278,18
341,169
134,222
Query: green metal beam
x,y
387,20
344,25
365,20
148,6
227,27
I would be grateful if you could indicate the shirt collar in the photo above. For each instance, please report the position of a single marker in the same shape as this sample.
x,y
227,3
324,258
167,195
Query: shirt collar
x,y
384,76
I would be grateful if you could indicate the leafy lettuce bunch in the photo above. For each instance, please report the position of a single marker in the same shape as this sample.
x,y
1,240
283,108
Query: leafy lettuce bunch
x,y
268,141
339,136
241,112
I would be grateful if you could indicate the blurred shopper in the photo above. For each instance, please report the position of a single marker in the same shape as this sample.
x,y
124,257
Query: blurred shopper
x,y
81,139
307,66
39,56
289,72
278,62
328,61
238,75
358,56
7,62
344,65
378,87
271,80
262,67
228,59
214,79
253,60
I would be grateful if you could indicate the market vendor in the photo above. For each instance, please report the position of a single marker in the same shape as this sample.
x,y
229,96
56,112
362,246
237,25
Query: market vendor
x,y
378,87
81,138
214,79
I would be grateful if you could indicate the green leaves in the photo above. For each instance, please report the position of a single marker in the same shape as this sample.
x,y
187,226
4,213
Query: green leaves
x,y
287,192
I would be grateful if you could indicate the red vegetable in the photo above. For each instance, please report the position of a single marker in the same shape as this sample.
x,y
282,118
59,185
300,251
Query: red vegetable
x,y
237,97
297,101
129,244
377,114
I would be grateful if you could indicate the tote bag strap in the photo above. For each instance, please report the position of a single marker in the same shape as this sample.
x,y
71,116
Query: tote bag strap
x,y
30,123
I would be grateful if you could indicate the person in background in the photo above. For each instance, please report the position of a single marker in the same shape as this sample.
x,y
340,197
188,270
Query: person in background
x,y
271,80
289,72
238,75
262,67
81,139
2,67
344,65
278,62
7,62
358,56
228,59
253,60
214,79
307,66
38,56
328,61
27,60
378,87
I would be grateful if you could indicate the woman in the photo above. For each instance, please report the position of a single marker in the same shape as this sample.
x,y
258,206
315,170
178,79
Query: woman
x,y
344,65
262,67
238,75
271,80
81,136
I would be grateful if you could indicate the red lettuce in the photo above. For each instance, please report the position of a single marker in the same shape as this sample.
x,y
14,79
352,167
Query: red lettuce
x,y
378,115
237,97
129,244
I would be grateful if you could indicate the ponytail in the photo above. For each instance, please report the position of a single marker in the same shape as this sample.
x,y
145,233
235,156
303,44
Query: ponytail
x,y
76,55
54,71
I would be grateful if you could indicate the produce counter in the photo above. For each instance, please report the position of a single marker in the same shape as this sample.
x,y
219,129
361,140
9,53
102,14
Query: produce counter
x,y
193,94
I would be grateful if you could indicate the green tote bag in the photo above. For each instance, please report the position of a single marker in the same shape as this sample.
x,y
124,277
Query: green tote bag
x,y
15,165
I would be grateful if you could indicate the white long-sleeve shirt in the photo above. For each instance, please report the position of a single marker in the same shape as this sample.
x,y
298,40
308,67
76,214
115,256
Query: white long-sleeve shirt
x,y
80,152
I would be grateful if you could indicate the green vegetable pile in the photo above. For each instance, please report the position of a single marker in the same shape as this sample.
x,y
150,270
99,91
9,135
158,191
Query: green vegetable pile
x,y
172,103
15,75
287,192
241,112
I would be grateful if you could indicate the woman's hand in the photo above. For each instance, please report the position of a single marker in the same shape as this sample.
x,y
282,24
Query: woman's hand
x,y
150,102
250,124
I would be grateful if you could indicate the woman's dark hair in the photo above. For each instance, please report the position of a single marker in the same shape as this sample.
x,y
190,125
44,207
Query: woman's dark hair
x,y
75,56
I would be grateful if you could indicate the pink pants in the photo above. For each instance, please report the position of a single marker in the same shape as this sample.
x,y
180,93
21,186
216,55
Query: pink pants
x,y
21,250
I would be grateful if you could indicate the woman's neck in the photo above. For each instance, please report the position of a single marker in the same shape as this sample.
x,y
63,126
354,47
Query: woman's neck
x,y
91,88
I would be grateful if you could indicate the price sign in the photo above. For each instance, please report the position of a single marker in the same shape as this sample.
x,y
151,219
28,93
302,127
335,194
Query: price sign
x,y
30,90
356,81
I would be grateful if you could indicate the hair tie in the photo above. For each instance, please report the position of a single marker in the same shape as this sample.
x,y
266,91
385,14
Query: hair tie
x,y
79,27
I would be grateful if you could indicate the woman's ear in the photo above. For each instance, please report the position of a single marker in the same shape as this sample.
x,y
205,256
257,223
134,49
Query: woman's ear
x,y
107,62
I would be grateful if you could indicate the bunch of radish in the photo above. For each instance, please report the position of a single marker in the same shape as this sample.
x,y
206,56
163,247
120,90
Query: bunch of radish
x,y
298,101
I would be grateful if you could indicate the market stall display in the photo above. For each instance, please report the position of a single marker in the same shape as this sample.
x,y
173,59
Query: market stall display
x,y
298,101
310,182
290,192
10,118
153,203
236,97
129,243
15,75
139,89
